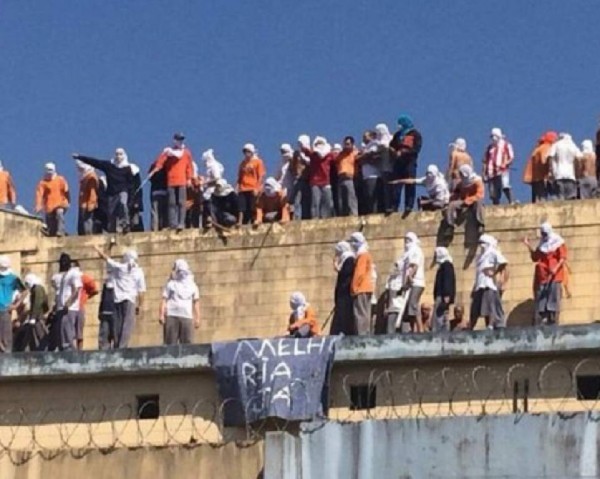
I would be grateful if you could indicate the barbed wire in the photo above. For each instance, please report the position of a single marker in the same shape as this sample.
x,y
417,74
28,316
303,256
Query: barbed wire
x,y
557,386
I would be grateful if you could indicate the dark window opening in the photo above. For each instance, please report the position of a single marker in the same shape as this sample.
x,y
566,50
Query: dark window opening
x,y
363,397
588,387
148,406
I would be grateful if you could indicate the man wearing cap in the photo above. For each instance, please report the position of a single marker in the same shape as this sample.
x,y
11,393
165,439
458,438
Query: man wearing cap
x,y
12,294
52,196
497,159
8,193
177,162
251,174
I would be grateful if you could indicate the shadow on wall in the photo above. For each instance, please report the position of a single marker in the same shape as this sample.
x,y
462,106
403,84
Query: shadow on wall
x,y
521,315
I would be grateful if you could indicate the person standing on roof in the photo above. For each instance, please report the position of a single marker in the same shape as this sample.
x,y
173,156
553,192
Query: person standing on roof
x,y
537,169
319,170
362,286
251,175
177,163
136,200
343,265
8,192
52,196
88,198
550,258
458,157
405,148
159,213
119,178
213,172
67,286
497,159
586,171
12,294
564,155
129,288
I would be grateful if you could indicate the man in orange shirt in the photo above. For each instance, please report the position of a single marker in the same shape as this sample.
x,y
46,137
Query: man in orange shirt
x,y
88,198
345,164
8,193
250,179
550,259
52,196
177,162
467,199
271,205
89,290
362,286
537,168
303,321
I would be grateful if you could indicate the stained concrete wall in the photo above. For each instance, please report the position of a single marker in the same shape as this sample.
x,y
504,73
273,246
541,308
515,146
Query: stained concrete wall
x,y
541,446
230,461
246,278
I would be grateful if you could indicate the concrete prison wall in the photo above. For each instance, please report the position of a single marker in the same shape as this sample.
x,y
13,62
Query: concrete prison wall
x,y
247,277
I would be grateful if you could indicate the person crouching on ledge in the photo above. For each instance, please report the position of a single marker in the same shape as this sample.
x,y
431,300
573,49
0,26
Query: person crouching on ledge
x,y
303,321
271,205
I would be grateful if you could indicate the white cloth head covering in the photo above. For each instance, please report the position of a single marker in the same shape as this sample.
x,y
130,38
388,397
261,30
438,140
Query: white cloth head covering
x,y
286,151
467,175
124,161
222,188
460,144
32,280
130,257
50,168
436,184
298,305
411,240
271,187
442,255
135,169
549,240
4,265
358,242
84,168
321,147
182,284
249,147
304,141
343,251
384,137
587,146
496,132
489,245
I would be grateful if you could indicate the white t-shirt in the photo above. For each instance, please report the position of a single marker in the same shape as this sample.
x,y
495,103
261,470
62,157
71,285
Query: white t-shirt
x,y
180,298
489,260
129,281
414,256
563,154
65,284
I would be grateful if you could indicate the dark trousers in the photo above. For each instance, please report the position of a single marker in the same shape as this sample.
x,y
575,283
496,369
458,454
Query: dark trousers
x,y
247,203
177,197
85,222
178,330
404,171
6,334
371,194
118,212
160,212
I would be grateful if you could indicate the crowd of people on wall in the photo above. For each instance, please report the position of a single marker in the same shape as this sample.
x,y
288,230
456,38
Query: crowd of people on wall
x,y
34,318
313,180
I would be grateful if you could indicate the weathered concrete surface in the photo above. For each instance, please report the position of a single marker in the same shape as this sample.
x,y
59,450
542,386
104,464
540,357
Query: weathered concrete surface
x,y
230,461
510,344
246,279
540,446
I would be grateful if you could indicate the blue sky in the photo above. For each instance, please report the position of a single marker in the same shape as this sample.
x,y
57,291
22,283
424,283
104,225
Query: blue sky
x,y
91,75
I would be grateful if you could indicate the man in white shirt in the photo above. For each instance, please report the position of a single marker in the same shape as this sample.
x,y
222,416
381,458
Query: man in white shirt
x,y
491,275
67,286
179,311
413,277
563,155
129,286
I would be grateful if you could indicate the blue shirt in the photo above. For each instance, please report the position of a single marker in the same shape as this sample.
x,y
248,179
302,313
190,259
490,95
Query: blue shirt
x,y
9,283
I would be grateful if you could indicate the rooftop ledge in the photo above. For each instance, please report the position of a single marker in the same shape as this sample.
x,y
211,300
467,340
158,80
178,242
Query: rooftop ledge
x,y
517,342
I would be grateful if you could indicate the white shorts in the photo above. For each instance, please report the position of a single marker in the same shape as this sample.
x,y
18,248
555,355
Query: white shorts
x,y
506,179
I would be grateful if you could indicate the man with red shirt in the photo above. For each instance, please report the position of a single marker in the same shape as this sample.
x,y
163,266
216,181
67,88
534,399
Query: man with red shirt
x,y
549,257
319,177
177,162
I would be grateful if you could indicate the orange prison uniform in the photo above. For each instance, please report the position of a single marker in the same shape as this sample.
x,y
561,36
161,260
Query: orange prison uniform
x,y
52,194
470,194
251,174
362,279
310,318
88,192
179,170
268,204
8,193
537,168
346,163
